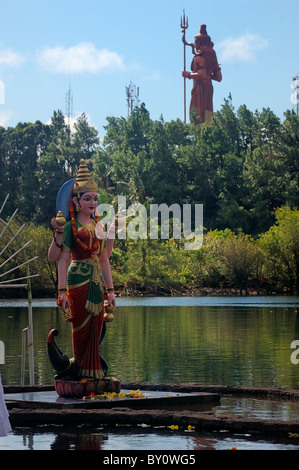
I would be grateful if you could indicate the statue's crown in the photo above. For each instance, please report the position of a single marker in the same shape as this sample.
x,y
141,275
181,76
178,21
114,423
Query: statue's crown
x,y
84,182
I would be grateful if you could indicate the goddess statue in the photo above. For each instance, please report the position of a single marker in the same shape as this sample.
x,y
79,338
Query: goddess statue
x,y
204,69
84,282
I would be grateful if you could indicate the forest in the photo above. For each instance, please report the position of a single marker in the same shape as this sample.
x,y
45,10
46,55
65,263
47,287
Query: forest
x,y
243,167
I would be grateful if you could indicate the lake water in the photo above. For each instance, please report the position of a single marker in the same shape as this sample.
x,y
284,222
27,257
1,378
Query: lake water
x,y
225,341
204,340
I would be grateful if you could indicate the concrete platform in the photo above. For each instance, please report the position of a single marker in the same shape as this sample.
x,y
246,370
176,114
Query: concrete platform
x,y
166,404
151,399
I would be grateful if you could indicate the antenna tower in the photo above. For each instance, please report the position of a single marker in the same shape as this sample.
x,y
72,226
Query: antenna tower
x,y
69,106
295,93
132,93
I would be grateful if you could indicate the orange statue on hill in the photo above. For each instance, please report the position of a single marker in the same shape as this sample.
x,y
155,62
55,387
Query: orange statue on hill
x,y
204,69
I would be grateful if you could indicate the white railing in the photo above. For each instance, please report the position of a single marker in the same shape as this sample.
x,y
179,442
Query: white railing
x,y
27,332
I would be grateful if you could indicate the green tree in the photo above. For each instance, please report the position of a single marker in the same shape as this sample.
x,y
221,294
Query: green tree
x,y
23,146
3,167
281,246
229,123
85,138
270,173
287,152
238,260
247,129
53,169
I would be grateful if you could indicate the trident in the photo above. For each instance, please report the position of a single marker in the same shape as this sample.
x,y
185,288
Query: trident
x,y
184,26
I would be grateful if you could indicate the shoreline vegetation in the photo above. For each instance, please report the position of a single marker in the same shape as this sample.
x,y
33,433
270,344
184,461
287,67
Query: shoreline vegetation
x,y
147,293
227,263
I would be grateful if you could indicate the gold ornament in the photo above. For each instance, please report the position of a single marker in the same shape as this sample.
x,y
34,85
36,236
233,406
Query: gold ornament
x,y
108,315
60,220
84,182
66,314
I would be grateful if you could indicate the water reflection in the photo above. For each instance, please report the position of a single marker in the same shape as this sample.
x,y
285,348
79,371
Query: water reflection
x,y
150,341
126,438
252,407
226,341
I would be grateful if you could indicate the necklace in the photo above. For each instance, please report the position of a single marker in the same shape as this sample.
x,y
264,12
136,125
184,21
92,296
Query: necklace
x,y
95,245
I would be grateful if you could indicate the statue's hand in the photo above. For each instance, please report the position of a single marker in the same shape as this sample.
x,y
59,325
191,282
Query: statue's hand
x,y
55,225
111,299
185,74
63,302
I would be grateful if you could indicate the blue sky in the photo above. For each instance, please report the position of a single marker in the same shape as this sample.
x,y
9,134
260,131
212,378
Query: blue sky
x,y
99,47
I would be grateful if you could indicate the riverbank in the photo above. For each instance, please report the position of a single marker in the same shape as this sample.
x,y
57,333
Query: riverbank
x,y
159,292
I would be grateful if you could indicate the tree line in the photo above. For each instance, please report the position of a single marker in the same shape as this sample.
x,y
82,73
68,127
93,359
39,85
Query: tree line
x,y
228,261
243,167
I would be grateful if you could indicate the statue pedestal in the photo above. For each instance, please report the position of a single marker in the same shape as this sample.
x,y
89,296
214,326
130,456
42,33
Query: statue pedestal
x,y
84,387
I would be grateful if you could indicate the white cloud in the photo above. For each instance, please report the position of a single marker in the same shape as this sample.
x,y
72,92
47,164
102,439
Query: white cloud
x,y
71,121
83,57
241,49
5,117
11,58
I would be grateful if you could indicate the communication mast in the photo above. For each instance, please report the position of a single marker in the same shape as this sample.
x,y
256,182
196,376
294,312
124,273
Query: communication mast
x,y
69,106
295,93
132,93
